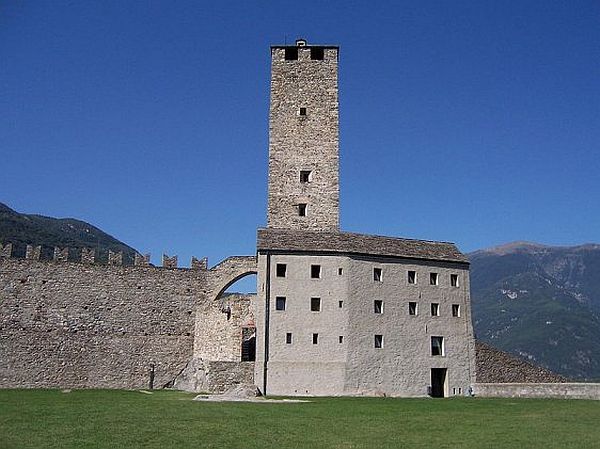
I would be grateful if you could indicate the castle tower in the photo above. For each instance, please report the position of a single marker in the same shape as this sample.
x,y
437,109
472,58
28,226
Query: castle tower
x,y
304,138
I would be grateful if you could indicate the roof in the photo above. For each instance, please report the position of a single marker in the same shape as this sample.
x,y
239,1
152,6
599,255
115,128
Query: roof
x,y
349,243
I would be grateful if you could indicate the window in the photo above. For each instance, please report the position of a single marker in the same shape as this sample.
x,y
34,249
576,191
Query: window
x,y
302,210
315,339
412,308
433,279
378,306
435,309
456,310
341,339
315,304
317,53
378,341
281,269
288,338
280,303
302,111
454,280
437,346
291,54
377,275
340,271
315,271
412,277
305,176
340,304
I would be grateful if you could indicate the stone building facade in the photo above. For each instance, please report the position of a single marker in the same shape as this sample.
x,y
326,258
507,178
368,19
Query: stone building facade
x,y
340,313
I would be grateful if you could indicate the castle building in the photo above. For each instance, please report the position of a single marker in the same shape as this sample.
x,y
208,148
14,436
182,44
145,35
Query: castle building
x,y
340,313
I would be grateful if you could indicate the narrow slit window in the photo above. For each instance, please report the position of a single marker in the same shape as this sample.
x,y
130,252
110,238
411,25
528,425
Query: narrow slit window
x,y
378,341
454,280
280,303
437,346
281,270
288,338
315,339
341,339
315,271
305,176
412,277
302,209
456,310
315,304
317,53
433,279
412,308
340,304
377,274
435,309
378,306
291,54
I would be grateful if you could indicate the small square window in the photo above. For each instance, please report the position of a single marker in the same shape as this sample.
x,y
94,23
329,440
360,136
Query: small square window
x,y
317,53
315,339
305,176
291,54
288,338
435,309
433,279
280,303
340,271
315,271
412,308
454,280
378,306
456,310
412,277
341,339
302,111
340,304
437,346
378,341
281,270
315,304
302,210
377,275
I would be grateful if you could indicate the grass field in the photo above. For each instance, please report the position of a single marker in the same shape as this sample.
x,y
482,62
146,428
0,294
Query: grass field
x,y
169,419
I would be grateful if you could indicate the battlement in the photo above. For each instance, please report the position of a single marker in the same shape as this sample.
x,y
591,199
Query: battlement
x,y
88,256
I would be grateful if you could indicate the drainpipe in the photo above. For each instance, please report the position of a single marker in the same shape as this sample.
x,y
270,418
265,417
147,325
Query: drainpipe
x,y
267,312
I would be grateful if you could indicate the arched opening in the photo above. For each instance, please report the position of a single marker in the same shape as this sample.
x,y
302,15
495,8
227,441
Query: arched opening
x,y
238,298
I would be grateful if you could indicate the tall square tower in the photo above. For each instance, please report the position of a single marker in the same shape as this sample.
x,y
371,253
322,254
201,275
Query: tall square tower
x,y
304,138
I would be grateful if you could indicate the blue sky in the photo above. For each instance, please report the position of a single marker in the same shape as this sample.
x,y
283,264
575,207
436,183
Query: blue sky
x,y
476,122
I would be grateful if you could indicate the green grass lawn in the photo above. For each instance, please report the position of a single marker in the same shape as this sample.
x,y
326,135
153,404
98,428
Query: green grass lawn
x,y
169,419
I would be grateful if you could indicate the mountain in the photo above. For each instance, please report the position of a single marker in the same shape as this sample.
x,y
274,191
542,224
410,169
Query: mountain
x,y
23,229
541,303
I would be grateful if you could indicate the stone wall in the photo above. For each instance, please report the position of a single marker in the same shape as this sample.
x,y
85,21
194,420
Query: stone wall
x,y
538,390
66,324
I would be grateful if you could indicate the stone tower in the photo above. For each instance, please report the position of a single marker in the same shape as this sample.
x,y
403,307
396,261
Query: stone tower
x,y
304,138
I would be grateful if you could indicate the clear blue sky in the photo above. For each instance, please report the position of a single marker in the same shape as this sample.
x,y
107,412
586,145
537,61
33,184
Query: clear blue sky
x,y
475,122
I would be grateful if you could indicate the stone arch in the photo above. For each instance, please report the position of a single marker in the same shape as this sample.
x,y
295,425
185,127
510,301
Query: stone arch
x,y
227,272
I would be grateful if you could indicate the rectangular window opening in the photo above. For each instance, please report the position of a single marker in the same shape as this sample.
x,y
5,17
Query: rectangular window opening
x,y
280,303
412,277
435,309
437,346
302,111
281,270
315,304
433,279
377,274
291,54
315,271
412,308
317,53
456,310
378,341
315,339
340,271
302,210
305,176
378,306
454,280
288,338
340,304
341,339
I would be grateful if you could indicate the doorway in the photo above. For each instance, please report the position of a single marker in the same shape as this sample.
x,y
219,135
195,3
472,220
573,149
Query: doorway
x,y
438,382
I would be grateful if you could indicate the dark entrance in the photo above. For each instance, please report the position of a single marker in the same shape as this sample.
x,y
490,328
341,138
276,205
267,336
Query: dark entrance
x,y
438,382
248,344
